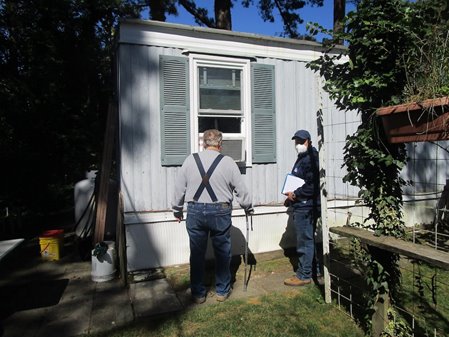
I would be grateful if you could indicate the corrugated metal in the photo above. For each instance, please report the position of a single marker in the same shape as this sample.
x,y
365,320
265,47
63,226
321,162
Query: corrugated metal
x,y
149,187
166,243
146,185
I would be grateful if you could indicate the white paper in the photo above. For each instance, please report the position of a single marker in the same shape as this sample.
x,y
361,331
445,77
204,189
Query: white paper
x,y
291,183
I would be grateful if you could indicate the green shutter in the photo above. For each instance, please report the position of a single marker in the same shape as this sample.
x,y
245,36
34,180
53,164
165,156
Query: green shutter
x,y
263,114
175,119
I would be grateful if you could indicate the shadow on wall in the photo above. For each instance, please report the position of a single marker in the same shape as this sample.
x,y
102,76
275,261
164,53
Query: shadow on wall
x,y
427,164
138,70
288,241
427,170
288,244
238,243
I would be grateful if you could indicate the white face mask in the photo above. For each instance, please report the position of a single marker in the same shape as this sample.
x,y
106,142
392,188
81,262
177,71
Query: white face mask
x,y
300,148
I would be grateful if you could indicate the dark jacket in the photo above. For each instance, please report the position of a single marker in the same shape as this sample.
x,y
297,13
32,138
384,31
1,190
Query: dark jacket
x,y
306,167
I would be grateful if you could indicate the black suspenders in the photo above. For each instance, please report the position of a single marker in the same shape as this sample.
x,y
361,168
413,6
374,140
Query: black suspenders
x,y
206,176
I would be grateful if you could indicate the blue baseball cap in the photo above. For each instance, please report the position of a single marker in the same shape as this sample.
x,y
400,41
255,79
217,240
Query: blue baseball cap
x,y
302,134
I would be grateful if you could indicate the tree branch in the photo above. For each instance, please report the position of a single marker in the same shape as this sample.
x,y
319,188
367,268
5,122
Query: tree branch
x,y
200,14
287,22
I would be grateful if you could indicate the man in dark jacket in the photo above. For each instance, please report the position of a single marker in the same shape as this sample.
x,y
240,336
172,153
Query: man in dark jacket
x,y
305,201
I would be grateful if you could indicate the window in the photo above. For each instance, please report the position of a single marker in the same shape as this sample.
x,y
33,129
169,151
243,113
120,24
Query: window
x,y
221,100
232,95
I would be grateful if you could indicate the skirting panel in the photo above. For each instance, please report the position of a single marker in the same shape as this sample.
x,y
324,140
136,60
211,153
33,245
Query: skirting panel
x,y
164,243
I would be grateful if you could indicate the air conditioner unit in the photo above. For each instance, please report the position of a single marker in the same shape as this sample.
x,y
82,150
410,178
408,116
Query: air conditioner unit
x,y
234,148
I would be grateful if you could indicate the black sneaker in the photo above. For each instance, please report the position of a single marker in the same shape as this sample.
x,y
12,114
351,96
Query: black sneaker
x,y
319,279
198,300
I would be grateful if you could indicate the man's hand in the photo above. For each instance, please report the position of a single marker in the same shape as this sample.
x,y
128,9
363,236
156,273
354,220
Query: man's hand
x,y
290,196
178,215
249,211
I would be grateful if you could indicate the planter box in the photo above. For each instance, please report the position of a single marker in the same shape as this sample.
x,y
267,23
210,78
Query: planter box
x,y
416,122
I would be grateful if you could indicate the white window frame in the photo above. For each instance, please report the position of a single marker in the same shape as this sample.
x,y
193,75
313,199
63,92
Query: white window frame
x,y
196,61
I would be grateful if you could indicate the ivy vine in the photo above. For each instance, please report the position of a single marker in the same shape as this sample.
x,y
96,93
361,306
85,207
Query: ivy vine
x,y
380,36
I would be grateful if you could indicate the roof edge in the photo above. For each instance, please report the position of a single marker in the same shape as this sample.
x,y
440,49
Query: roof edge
x,y
222,32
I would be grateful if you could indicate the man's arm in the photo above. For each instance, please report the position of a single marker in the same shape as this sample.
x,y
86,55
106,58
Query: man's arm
x,y
241,191
180,192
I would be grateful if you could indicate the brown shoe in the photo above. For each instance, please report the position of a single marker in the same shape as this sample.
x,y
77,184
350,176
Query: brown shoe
x,y
222,298
296,282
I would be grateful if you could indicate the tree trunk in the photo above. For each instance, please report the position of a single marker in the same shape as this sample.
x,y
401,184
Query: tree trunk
x,y
157,10
339,14
223,14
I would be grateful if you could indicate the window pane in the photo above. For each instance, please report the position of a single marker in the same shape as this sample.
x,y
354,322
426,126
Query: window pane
x,y
219,88
224,124
220,77
219,99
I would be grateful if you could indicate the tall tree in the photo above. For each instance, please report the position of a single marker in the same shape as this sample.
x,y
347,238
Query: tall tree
x,y
223,14
287,9
158,8
56,79
199,13
339,14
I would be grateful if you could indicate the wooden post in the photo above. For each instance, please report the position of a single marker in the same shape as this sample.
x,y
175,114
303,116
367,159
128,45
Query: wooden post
x,y
416,251
121,242
380,316
323,199
105,171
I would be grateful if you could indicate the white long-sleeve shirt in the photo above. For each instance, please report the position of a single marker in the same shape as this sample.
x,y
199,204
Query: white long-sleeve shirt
x,y
226,180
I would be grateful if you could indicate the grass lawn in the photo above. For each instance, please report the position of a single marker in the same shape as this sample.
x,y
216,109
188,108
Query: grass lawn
x,y
287,314
291,312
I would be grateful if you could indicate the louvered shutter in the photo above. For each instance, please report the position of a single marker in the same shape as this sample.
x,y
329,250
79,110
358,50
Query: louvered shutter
x,y
175,120
263,114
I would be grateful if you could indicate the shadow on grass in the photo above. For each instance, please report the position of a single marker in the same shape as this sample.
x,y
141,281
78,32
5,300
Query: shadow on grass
x,y
426,318
426,309
423,297
348,286
289,314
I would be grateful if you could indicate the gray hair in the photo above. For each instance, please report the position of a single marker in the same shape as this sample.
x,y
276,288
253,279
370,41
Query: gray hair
x,y
212,137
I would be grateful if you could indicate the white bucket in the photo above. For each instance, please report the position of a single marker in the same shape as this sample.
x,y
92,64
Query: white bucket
x,y
103,267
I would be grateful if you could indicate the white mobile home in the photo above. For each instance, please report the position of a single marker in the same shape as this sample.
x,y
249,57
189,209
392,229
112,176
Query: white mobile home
x,y
175,81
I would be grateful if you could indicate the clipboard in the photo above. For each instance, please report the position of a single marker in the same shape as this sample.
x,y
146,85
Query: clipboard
x,y
291,183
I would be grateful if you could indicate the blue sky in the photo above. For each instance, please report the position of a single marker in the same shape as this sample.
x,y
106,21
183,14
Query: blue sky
x,y
248,19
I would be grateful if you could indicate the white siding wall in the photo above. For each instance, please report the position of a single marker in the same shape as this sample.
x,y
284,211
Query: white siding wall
x,y
154,239
427,168
146,185
155,242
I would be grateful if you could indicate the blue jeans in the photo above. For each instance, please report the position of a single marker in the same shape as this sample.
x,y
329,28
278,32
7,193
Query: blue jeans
x,y
214,220
305,224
